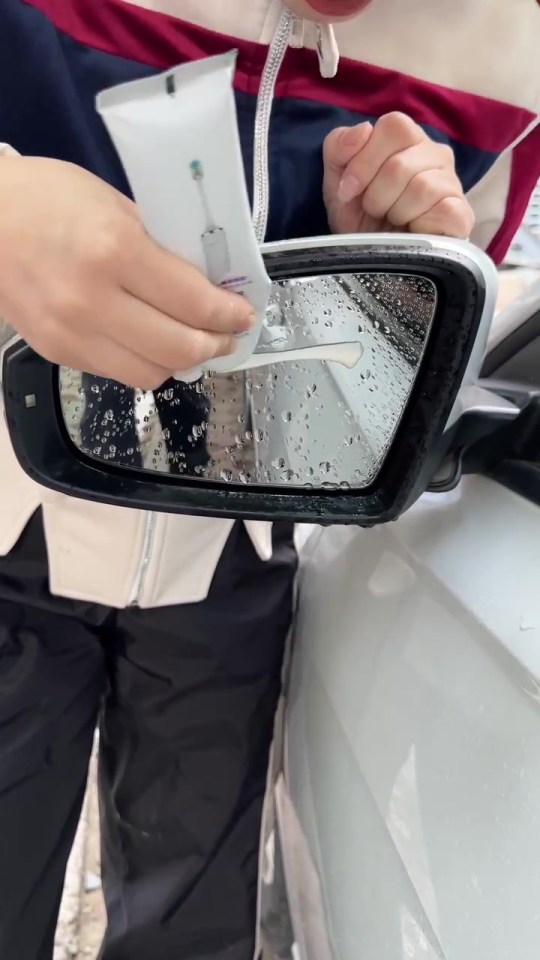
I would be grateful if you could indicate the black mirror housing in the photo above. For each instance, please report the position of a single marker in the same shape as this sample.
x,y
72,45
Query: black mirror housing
x,y
466,284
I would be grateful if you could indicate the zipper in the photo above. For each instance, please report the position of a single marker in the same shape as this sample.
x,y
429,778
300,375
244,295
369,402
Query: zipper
x,y
261,175
261,202
148,543
146,554
289,31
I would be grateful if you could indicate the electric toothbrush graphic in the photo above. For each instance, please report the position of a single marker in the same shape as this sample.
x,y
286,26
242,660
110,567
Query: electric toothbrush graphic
x,y
214,238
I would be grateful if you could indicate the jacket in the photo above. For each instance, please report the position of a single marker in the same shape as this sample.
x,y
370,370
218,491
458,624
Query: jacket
x,y
465,70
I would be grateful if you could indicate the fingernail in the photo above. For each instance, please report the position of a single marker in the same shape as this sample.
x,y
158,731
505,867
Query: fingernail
x,y
349,188
352,136
243,315
349,137
245,321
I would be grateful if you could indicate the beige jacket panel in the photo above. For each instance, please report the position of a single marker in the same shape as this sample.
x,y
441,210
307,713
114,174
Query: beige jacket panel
x,y
97,552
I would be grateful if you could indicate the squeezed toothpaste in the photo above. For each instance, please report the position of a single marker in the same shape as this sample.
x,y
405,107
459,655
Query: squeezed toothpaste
x,y
177,137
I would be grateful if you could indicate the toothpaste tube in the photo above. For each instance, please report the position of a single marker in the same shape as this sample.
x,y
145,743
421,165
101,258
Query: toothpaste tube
x,y
177,137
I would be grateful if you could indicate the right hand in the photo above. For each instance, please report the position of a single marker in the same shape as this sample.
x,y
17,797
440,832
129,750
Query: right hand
x,y
86,287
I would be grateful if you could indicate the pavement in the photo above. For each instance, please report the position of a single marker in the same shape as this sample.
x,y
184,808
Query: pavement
x,y
82,913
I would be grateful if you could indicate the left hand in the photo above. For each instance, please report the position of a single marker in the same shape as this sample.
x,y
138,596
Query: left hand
x,y
391,176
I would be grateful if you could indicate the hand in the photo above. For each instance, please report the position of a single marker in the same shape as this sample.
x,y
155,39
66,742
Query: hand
x,y
392,176
87,288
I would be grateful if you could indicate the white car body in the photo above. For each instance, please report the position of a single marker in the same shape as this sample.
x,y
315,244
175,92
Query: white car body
x,y
409,806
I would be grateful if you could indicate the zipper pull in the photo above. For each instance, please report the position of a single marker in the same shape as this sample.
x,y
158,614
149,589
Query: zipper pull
x,y
298,33
325,42
327,50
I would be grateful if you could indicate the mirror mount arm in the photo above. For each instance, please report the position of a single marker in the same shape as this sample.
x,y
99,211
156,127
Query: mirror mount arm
x,y
517,440
488,437
469,445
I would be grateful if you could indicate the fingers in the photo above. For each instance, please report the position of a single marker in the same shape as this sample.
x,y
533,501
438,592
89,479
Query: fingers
x,y
423,192
178,290
166,342
393,175
392,134
431,198
149,344
103,358
343,144
88,288
409,176
115,362
339,149
450,217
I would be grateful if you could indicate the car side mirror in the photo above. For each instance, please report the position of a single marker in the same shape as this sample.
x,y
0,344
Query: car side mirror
x,y
337,418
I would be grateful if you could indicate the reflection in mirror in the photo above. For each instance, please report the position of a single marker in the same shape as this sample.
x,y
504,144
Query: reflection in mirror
x,y
325,414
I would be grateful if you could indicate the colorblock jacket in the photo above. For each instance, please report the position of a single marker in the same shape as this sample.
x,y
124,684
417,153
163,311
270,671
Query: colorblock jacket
x,y
466,70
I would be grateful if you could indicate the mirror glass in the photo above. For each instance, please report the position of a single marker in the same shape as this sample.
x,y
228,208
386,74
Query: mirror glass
x,y
319,405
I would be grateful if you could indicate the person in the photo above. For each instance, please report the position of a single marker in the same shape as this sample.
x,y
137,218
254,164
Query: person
x,y
387,115
182,408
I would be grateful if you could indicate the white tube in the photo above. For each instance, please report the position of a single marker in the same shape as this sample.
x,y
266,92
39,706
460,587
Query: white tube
x,y
177,137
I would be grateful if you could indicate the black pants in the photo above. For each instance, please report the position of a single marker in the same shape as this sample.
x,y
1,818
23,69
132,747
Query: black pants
x,y
186,698
110,419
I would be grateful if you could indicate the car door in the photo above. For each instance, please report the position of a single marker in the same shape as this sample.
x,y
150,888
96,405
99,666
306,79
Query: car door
x,y
409,810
